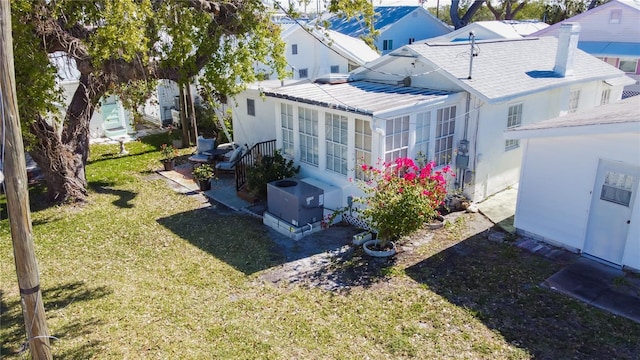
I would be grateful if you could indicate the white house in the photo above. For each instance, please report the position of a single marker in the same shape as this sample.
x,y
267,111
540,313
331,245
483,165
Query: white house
x,y
398,26
610,32
579,182
312,52
486,30
434,99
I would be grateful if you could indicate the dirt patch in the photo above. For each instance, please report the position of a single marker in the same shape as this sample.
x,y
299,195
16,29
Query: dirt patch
x,y
328,260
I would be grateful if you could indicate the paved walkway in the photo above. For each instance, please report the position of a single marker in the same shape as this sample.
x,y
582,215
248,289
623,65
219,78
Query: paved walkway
x,y
501,208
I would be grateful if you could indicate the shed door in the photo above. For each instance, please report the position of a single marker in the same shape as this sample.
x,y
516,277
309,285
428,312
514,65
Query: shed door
x,y
611,206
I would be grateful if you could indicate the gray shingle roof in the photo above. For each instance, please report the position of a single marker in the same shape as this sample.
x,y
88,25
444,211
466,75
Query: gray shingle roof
x,y
361,97
506,69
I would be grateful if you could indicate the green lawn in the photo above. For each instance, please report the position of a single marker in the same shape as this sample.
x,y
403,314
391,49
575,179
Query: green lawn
x,y
141,272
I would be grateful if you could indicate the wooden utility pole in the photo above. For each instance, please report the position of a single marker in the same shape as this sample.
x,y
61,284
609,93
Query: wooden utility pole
x,y
18,198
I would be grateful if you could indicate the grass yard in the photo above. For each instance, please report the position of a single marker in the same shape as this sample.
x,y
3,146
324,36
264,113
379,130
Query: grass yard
x,y
141,272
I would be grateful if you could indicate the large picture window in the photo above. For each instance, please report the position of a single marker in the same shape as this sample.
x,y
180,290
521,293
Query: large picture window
x,y
397,138
363,146
336,139
286,124
445,129
308,124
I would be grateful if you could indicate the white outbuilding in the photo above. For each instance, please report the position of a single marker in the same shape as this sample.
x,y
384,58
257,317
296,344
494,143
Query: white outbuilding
x,y
579,182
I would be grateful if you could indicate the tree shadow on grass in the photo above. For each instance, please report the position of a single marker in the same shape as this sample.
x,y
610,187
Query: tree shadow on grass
x,y
499,284
55,298
244,242
124,197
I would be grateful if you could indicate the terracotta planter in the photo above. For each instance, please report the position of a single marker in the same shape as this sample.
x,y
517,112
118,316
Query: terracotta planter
x,y
371,247
169,164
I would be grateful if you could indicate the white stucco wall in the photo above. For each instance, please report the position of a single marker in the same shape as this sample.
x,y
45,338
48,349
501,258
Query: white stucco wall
x,y
249,129
557,180
417,25
495,168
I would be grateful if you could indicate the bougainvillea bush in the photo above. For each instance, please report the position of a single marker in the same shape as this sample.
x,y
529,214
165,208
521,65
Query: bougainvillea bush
x,y
400,197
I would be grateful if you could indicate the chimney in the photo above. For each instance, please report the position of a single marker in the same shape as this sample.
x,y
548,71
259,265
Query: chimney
x,y
567,46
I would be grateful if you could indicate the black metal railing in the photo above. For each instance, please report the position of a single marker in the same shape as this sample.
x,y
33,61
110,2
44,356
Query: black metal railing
x,y
250,158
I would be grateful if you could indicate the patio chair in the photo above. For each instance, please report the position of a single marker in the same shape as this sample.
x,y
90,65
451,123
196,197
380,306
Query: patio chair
x,y
229,163
204,151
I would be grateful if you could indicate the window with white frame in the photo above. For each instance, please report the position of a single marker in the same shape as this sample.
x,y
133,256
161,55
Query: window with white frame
x,y
514,119
574,100
303,73
286,123
308,129
294,49
628,65
445,129
604,98
615,16
387,45
251,107
423,134
336,140
363,146
396,139
335,69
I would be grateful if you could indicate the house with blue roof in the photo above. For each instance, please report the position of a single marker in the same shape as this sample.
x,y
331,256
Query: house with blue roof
x,y
447,102
397,26
610,32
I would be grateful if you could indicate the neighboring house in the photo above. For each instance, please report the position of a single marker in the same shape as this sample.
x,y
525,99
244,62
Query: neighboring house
x,y
312,52
110,118
579,182
610,32
487,30
397,26
429,98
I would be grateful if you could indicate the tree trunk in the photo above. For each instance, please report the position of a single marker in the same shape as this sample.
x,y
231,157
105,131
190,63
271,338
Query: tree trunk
x,y
62,158
460,22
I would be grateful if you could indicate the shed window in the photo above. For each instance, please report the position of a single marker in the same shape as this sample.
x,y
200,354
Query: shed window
x,y
303,73
617,188
387,45
335,69
294,49
615,17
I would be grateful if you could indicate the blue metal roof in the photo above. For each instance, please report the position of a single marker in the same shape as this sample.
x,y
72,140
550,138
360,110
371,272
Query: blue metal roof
x,y
385,15
619,49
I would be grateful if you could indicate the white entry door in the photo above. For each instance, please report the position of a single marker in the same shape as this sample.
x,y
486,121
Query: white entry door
x,y
611,205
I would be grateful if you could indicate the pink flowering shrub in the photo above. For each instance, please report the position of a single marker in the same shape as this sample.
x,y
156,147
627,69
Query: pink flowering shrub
x,y
401,197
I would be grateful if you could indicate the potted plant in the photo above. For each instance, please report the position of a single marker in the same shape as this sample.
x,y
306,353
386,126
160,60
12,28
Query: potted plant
x,y
399,198
203,175
168,153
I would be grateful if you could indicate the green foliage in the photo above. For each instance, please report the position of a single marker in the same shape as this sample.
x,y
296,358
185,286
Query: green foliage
x,y
168,152
203,172
269,168
208,123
